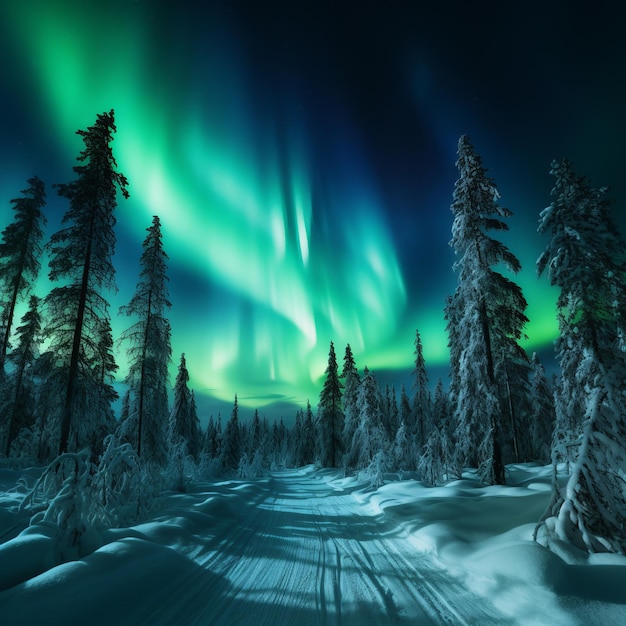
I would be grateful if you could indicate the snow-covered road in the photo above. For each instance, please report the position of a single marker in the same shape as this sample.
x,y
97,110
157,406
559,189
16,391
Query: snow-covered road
x,y
307,547
292,549
307,553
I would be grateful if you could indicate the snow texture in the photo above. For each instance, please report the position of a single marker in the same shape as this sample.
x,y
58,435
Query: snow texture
x,y
310,547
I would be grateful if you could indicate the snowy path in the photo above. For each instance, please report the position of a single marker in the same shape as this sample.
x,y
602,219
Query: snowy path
x,y
289,550
307,554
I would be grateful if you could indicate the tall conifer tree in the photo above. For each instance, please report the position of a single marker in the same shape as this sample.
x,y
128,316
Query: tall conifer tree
x,y
231,446
585,258
421,420
184,423
485,315
370,437
351,382
77,311
20,255
150,350
330,416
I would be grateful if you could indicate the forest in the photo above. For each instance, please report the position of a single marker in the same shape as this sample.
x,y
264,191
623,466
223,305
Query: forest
x,y
498,408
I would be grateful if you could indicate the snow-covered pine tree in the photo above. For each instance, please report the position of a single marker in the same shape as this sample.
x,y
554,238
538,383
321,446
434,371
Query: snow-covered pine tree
x,y
184,422
485,316
421,418
404,410
585,258
20,255
256,435
308,436
436,462
330,416
403,450
149,352
389,410
212,443
296,438
351,382
542,417
279,445
20,411
370,437
512,369
231,444
81,257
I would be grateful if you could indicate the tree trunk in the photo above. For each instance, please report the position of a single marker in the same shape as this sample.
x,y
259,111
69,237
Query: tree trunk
x,y
73,369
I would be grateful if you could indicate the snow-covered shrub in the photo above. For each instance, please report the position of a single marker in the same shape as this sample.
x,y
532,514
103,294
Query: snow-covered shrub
x,y
250,468
181,468
62,499
209,467
121,487
375,471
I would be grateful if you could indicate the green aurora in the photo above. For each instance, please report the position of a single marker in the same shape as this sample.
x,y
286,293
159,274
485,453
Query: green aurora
x,y
272,257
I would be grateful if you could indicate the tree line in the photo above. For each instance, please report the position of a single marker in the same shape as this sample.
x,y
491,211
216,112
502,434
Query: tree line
x,y
499,407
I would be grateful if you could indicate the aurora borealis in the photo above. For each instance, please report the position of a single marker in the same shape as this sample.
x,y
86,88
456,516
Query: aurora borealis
x,y
301,159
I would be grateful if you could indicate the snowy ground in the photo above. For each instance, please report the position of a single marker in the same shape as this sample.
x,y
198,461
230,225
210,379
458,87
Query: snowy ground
x,y
307,547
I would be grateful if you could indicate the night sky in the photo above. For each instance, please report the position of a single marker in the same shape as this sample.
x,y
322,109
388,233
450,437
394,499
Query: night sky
x,y
301,158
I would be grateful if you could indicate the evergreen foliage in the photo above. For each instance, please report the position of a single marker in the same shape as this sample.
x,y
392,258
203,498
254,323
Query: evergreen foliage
x,y
542,415
370,437
585,259
20,255
307,453
20,412
351,382
421,418
231,448
149,352
330,416
485,316
437,460
184,422
77,312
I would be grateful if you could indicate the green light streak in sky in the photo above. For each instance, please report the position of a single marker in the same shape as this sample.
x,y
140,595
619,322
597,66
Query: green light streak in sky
x,y
236,207
233,207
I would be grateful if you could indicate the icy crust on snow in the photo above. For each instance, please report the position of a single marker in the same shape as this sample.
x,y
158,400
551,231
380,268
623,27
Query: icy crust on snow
x,y
222,552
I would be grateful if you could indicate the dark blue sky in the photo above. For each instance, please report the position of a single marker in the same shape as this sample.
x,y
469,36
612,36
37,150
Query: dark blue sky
x,y
301,158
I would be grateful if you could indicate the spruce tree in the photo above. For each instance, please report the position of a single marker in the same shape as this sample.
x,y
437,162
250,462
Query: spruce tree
x,y
150,351
421,418
256,432
20,411
184,422
211,439
542,416
405,411
308,436
77,311
231,446
389,409
351,382
436,460
330,416
370,437
20,255
485,316
585,258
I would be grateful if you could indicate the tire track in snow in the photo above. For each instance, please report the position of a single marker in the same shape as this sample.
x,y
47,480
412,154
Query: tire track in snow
x,y
303,553
401,582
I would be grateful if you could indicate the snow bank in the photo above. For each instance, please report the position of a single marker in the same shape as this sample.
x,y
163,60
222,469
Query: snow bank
x,y
484,536
481,535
